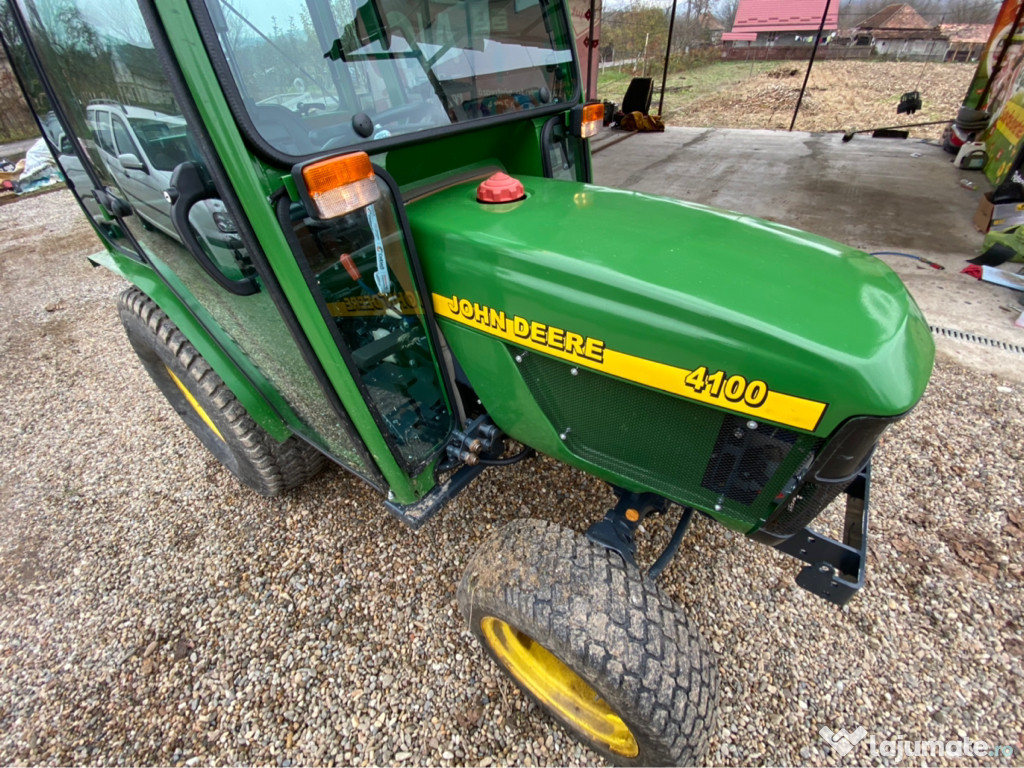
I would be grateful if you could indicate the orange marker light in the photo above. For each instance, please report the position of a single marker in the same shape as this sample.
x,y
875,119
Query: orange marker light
x,y
593,116
585,119
340,185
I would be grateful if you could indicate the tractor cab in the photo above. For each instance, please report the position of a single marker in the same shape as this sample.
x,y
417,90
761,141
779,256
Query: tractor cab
x,y
338,114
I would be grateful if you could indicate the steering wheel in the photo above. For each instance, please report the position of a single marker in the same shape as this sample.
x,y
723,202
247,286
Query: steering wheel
x,y
404,113
345,135
304,108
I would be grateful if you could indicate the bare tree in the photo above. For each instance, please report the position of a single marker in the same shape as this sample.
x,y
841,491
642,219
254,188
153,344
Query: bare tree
x,y
970,12
691,26
638,33
725,12
853,12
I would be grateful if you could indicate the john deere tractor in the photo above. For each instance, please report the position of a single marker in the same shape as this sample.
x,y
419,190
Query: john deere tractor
x,y
364,232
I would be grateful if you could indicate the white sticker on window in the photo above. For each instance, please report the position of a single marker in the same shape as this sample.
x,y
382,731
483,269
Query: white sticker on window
x,y
381,276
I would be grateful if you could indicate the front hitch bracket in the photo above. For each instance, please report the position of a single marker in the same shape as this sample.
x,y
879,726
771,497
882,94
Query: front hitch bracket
x,y
835,569
617,530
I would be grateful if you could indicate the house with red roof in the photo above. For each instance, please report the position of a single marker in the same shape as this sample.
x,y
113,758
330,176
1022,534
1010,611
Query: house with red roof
x,y
898,30
781,22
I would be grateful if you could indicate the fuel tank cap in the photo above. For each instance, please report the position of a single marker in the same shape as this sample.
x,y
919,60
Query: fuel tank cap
x,y
500,188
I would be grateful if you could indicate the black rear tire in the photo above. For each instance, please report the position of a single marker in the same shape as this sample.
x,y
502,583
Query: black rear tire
x,y
624,655
208,406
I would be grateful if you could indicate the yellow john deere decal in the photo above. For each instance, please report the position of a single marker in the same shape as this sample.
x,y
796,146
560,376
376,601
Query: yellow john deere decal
x,y
377,304
734,392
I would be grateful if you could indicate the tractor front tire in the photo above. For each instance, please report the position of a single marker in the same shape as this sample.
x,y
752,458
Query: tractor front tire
x,y
207,405
594,642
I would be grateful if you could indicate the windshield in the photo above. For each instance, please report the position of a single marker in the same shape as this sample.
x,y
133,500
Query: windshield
x,y
316,75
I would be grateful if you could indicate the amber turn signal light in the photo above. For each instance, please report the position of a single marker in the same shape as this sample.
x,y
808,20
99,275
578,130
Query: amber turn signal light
x,y
340,185
586,119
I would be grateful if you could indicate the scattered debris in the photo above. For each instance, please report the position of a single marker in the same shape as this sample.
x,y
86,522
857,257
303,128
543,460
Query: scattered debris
x,y
995,276
638,121
1000,247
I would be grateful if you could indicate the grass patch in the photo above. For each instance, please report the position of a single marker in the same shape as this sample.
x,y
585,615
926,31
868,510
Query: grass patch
x,y
690,82
840,94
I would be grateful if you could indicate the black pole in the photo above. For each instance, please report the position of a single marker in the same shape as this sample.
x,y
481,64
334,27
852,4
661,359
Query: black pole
x,y
807,75
590,50
668,52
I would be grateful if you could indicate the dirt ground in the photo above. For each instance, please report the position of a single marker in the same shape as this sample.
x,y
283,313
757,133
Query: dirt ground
x,y
841,95
154,612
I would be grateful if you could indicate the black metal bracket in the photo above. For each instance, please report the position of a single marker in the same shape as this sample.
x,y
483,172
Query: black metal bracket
x,y
416,514
471,450
481,439
835,570
617,530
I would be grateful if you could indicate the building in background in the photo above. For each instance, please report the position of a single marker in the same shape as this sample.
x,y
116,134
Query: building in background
x,y
901,32
966,41
781,22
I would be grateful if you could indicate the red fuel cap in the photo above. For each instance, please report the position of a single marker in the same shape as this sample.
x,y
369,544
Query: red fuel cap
x,y
500,188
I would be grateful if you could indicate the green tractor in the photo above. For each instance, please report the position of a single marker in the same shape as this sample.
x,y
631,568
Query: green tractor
x,y
363,231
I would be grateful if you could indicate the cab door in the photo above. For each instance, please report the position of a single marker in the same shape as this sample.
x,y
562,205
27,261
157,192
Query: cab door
x,y
215,277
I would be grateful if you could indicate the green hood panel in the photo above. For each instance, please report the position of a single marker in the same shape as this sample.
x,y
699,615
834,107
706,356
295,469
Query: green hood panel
x,y
739,313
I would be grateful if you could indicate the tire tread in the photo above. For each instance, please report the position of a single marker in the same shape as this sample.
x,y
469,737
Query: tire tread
x,y
609,623
267,466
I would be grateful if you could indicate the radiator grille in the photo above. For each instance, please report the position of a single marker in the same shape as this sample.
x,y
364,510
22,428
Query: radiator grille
x,y
690,453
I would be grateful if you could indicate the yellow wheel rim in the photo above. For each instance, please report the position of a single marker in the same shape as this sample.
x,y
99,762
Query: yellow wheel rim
x,y
557,687
195,405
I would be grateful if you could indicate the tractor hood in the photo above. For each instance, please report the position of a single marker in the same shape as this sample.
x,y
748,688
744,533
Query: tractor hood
x,y
745,315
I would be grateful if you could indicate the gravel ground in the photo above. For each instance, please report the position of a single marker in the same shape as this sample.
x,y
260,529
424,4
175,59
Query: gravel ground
x,y
154,612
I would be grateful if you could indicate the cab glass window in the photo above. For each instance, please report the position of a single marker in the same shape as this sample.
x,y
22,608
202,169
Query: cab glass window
x,y
358,268
345,72
122,141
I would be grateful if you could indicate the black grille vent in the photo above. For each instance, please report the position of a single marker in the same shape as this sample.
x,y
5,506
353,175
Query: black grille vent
x,y
691,453
952,333
744,460
804,507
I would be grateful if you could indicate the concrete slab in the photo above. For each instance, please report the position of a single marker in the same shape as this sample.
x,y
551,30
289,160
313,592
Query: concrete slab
x,y
873,194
